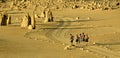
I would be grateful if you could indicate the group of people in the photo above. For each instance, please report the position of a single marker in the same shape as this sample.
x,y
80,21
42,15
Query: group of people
x,y
79,38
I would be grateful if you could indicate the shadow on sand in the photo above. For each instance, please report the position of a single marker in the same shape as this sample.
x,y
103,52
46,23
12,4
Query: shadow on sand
x,y
77,23
70,28
113,43
78,20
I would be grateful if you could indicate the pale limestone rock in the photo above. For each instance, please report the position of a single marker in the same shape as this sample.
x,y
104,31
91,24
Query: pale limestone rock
x,y
25,21
67,48
30,27
87,51
94,42
36,16
9,20
0,19
42,14
33,22
82,7
74,7
49,16
81,49
88,18
12,4
63,44
77,18
105,57
28,21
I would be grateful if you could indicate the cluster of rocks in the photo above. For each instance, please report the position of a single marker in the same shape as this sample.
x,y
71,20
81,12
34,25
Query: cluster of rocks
x,y
82,4
93,5
19,4
102,5
28,21
48,16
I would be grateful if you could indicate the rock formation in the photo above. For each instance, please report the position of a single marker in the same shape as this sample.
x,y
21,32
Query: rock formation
x,y
5,19
48,16
33,22
0,19
42,14
28,21
9,20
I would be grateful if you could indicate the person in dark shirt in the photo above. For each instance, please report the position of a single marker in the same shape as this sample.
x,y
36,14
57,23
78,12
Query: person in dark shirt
x,y
77,39
80,39
71,39
86,38
83,36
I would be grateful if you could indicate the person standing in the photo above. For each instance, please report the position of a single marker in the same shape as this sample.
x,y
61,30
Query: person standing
x,y
83,36
86,38
80,38
77,39
71,39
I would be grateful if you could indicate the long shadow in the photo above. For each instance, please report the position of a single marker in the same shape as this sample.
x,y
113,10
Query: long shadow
x,y
16,12
57,25
70,28
66,22
114,43
78,21
1,40
50,31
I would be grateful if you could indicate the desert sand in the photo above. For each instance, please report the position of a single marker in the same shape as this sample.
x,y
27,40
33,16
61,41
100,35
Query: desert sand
x,y
49,39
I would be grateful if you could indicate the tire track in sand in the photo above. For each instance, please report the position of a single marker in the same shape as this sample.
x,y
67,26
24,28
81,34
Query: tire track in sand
x,y
103,51
96,49
45,32
59,30
59,34
54,34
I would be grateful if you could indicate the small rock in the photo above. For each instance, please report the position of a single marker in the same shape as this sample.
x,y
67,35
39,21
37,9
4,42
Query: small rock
x,y
67,48
77,18
88,18
94,42
81,49
36,16
30,27
63,44
82,7
105,57
115,32
86,50
75,6
36,39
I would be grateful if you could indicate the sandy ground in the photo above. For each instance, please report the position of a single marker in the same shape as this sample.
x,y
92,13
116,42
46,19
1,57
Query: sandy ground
x,y
49,39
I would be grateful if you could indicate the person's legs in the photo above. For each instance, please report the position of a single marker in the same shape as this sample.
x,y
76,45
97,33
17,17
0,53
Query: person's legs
x,y
83,39
71,42
79,43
